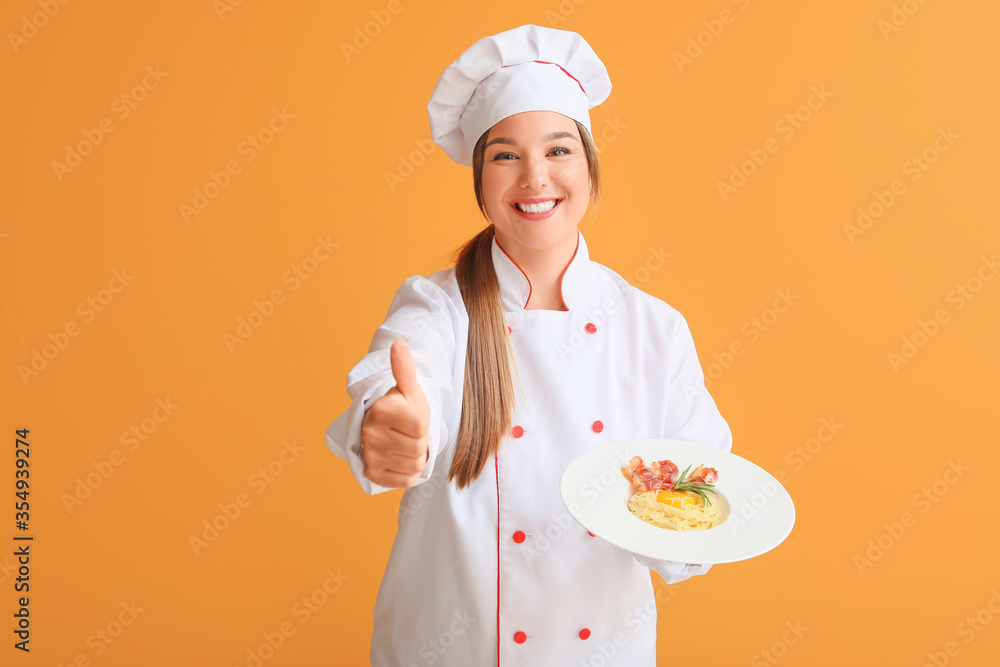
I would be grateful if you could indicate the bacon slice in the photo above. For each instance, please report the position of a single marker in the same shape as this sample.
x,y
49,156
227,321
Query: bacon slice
x,y
668,470
662,475
704,475
633,463
658,476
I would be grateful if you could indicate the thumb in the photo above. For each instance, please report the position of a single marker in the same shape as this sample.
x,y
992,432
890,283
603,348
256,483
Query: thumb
x,y
404,369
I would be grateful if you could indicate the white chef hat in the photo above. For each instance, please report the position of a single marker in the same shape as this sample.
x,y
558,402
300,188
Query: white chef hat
x,y
529,68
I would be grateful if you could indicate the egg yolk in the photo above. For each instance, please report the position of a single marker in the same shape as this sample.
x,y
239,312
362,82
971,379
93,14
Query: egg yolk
x,y
678,499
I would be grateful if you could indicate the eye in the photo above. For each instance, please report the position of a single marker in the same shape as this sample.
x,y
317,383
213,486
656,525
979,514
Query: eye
x,y
503,156
565,151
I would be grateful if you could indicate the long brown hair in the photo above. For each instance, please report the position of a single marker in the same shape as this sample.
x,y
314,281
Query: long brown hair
x,y
488,394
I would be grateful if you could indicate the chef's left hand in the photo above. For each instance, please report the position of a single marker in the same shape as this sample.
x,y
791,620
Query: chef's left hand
x,y
673,572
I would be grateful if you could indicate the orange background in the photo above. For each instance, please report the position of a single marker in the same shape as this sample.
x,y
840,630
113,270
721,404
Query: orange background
x,y
671,133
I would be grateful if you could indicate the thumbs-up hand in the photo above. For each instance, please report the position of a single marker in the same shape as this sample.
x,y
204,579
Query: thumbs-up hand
x,y
394,433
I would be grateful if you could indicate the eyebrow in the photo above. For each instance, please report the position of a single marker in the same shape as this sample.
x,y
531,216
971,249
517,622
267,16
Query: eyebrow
x,y
552,136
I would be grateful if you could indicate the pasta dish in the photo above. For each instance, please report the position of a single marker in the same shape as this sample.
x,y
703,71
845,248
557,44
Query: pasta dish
x,y
668,498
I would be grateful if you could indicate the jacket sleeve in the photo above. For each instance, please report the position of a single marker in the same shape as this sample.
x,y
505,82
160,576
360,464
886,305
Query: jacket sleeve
x,y
424,315
693,416
691,411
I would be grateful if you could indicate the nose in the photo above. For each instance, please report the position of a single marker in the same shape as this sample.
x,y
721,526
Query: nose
x,y
534,173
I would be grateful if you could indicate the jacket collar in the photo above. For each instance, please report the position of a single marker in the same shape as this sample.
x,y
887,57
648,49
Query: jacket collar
x,y
515,288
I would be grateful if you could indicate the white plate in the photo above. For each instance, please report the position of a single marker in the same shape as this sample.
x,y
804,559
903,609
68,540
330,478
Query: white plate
x,y
758,512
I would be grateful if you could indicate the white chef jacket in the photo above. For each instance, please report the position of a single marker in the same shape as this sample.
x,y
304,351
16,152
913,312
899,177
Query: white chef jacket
x,y
500,573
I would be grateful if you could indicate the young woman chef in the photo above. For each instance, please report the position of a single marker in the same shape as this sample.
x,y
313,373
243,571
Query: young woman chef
x,y
486,380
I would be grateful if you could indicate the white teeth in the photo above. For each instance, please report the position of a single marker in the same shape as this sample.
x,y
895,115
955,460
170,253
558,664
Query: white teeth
x,y
537,208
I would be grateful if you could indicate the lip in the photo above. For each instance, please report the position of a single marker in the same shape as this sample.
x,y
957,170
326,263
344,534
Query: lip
x,y
536,200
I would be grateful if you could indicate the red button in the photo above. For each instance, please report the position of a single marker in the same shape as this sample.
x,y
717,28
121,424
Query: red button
x,y
585,633
517,431
520,637
591,534
519,536
598,426
590,327
509,330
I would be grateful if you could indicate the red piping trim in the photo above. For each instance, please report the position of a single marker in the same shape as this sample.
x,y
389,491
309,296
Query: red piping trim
x,y
496,465
565,72
545,62
562,276
522,272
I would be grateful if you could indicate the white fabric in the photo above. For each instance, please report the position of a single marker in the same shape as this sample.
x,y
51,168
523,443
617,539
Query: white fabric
x,y
498,77
638,373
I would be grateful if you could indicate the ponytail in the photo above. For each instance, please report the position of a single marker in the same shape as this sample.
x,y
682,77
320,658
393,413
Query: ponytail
x,y
488,393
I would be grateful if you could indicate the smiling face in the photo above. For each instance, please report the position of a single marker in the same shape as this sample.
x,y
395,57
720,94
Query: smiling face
x,y
535,181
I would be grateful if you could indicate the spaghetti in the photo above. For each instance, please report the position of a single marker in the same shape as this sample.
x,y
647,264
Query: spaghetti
x,y
671,499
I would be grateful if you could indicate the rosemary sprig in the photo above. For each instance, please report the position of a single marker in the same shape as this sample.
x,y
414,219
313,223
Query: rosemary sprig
x,y
700,489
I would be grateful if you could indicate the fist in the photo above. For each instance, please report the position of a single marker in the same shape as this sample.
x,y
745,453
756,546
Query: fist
x,y
394,430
